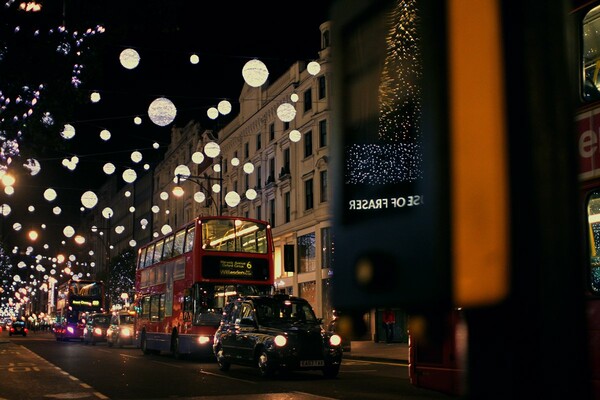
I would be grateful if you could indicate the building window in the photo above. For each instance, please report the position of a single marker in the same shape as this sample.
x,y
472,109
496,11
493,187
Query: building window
x,y
286,126
323,186
308,291
308,100
325,40
323,133
225,164
258,141
271,131
247,181
286,160
307,253
288,206
259,177
326,247
271,177
258,212
308,144
246,150
308,194
322,87
272,212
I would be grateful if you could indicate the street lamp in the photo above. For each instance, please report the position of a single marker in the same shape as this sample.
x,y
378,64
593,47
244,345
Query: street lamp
x,y
178,190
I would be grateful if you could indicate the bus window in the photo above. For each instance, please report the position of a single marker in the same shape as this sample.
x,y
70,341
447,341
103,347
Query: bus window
x,y
168,249
146,307
178,245
149,255
154,308
158,251
593,216
161,308
189,238
591,55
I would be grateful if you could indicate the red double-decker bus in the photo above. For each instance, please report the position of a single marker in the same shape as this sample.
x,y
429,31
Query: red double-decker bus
x,y
184,279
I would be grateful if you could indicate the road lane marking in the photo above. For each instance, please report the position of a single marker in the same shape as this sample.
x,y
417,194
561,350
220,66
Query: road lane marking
x,y
227,377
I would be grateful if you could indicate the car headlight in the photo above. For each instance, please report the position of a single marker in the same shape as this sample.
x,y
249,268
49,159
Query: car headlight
x,y
335,340
98,331
126,332
70,330
280,340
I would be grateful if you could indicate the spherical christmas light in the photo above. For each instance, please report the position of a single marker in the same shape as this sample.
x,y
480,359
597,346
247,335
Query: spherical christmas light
x,y
136,156
17,226
251,194
313,68
155,209
50,194
56,210
235,161
137,120
89,199
183,171
294,97
31,208
255,73
109,168
286,112
212,113
95,97
224,107
166,229
295,135
216,188
197,157
162,111
248,168
33,166
68,231
199,197
105,134
5,210
164,196
68,132
107,212
132,243
129,58
194,59
129,175
232,199
212,149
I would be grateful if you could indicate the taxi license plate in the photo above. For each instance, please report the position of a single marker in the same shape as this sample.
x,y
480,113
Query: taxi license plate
x,y
312,363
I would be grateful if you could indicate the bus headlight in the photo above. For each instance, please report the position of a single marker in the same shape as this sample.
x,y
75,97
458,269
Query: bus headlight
x,y
126,332
204,339
98,331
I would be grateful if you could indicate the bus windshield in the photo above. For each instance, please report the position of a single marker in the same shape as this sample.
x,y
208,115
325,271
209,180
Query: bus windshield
x,y
234,235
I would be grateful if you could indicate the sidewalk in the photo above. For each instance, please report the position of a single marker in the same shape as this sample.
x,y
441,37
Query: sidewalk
x,y
368,350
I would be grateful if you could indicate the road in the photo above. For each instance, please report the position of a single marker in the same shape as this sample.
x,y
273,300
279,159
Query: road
x,y
39,367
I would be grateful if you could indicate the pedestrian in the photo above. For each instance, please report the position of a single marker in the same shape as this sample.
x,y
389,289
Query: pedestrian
x,y
389,319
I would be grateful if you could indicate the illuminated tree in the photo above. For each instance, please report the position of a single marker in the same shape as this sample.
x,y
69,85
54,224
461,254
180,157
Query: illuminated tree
x,y
122,277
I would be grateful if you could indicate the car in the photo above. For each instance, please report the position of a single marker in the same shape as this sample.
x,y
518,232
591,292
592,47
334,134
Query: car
x,y
121,329
275,333
96,326
18,328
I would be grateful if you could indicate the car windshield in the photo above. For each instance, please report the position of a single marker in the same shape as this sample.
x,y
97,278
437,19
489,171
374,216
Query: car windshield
x,y
104,320
19,323
284,311
126,319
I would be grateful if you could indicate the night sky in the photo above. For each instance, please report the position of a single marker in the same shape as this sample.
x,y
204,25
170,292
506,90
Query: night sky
x,y
225,35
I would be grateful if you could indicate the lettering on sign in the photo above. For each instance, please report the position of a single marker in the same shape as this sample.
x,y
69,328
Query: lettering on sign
x,y
385,203
232,268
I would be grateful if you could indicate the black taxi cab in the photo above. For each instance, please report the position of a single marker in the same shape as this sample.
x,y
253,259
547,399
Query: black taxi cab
x,y
276,333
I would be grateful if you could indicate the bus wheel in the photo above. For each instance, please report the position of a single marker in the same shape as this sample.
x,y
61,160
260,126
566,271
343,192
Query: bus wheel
x,y
266,371
144,344
175,348
223,365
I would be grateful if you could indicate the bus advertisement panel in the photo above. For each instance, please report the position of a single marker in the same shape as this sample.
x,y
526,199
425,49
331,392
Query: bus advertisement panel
x,y
185,278
76,299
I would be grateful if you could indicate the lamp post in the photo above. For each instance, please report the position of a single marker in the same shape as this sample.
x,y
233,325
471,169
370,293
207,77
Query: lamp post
x,y
197,179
